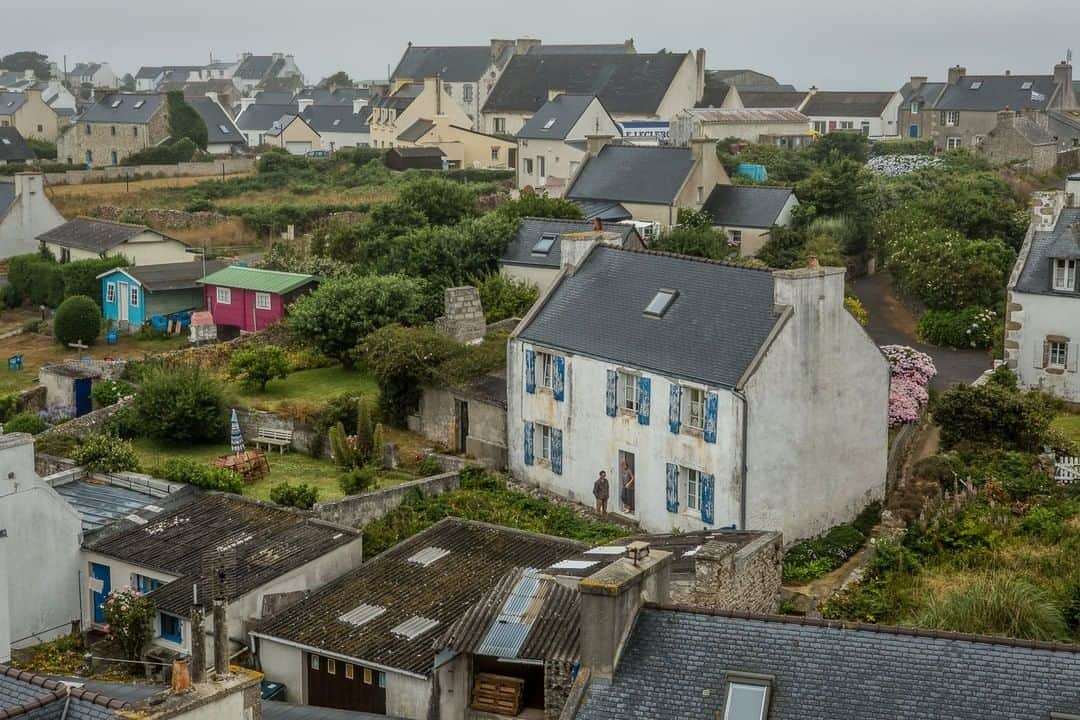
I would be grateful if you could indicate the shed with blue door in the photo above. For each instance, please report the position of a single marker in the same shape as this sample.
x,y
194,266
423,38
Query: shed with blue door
x,y
133,295
69,385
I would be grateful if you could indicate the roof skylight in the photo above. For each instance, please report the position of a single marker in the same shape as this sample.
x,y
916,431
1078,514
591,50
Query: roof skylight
x,y
746,701
224,129
548,125
139,104
543,245
337,121
362,614
1026,85
116,103
976,85
573,564
661,302
429,555
414,627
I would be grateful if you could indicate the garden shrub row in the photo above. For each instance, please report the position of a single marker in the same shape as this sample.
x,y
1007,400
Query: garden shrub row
x,y
810,559
972,327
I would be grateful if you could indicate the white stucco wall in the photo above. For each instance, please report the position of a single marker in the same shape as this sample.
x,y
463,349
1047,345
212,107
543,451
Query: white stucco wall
x,y
147,248
284,664
541,277
120,573
560,161
30,215
407,696
1041,316
44,534
5,610
682,93
339,140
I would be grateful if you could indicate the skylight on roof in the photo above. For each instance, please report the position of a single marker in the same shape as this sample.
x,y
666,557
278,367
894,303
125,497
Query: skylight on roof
x,y
139,104
429,555
414,627
746,701
976,84
5,141
337,121
661,302
573,564
549,124
1026,85
607,550
362,614
543,245
116,103
224,129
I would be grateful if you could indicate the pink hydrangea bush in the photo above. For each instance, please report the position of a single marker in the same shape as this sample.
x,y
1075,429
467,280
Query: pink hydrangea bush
x,y
910,374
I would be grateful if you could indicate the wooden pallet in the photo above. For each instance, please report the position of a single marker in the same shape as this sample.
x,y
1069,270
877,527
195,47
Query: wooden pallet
x,y
497,694
251,465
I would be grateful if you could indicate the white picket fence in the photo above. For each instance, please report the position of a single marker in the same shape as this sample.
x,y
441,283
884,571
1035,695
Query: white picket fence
x,y
1067,470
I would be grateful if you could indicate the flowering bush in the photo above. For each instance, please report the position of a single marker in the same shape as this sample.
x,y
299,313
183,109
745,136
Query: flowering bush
x,y
129,618
56,414
111,392
910,374
972,327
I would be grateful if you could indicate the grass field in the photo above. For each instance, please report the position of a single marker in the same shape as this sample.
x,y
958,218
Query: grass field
x,y
1068,424
308,386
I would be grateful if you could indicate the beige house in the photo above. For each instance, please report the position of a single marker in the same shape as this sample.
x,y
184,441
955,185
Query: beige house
x,y
462,147
28,113
552,144
753,126
293,133
116,126
399,112
745,213
89,239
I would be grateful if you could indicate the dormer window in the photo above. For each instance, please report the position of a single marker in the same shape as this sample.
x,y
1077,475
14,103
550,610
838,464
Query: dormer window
x,y
661,302
1065,275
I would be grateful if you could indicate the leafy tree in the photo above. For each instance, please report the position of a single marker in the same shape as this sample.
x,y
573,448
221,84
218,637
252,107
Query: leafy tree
x,y
840,187
784,165
78,319
784,248
27,60
302,495
825,248
43,149
111,392
181,404
255,367
840,145
105,453
25,422
337,316
340,79
443,202
129,618
185,121
505,297
81,277
127,83
994,414
403,359
534,204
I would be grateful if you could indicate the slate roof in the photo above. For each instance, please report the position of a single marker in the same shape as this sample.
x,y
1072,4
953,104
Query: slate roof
x,y
216,118
417,130
103,111
454,63
479,557
605,210
148,72
11,101
715,93
338,96
772,99
927,93
1032,132
676,664
416,152
263,117
322,118
519,251
93,235
634,174
1062,242
710,333
36,697
13,147
825,103
599,49
268,97
173,276
268,540
750,116
7,196
556,118
997,92
255,67
246,278
749,206
625,83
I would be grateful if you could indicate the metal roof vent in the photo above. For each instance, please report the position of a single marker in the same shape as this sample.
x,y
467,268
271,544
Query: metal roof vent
x,y
428,555
414,627
362,614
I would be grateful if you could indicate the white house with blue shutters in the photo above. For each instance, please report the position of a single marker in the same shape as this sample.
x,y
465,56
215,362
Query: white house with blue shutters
x,y
712,395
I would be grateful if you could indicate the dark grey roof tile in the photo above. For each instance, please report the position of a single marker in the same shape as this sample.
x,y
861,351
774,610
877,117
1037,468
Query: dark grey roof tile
x,y
556,118
997,92
94,235
629,173
520,250
451,63
132,108
220,127
13,147
847,104
1062,242
746,205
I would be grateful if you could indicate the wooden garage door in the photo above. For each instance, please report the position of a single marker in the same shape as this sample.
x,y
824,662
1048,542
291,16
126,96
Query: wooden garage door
x,y
337,684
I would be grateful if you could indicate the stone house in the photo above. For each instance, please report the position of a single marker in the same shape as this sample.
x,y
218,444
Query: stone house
x,y
745,213
1042,319
534,255
394,118
25,213
116,126
29,113
88,239
698,387
1021,137
293,133
552,144
256,70
874,114
780,126
469,418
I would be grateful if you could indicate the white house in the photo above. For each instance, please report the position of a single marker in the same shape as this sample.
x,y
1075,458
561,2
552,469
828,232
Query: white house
x,y
222,135
100,75
746,212
535,254
1042,328
40,535
88,239
25,213
553,144
874,114
339,126
712,395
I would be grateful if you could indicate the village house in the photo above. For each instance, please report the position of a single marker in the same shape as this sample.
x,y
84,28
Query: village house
x,y
640,87
249,299
14,149
255,70
783,126
339,126
116,126
25,213
415,158
534,255
552,144
611,176
366,642
250,554
698,387
88,239
874,114
460,146
255,120
223,137
1042,319
394,118
294,134
28,112
746,213
1021,138
94,74
133,295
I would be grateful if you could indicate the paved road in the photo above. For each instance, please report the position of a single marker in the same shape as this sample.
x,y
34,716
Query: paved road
x,y
892,323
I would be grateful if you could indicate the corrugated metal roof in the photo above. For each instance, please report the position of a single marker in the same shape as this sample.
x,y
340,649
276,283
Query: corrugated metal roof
x,y
414,627
245,278
362,614
99,504
429,555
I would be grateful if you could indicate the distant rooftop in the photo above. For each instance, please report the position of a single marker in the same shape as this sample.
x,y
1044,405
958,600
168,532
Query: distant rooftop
x,y
103,502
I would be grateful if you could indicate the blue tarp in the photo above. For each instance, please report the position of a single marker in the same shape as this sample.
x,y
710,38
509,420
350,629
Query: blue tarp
x,y
754,171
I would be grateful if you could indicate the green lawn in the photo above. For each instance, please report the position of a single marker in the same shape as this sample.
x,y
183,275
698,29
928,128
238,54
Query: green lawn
x,y
317,385
1068,424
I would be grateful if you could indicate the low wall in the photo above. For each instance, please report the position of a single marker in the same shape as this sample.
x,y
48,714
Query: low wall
x,y
358,510
46,465
303,437
160,218
901,447
32,400
88,424
216,355
746,579
228,166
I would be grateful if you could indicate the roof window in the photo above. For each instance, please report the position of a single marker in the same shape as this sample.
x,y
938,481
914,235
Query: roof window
x,y
5,141
414,627
429,555
224,129
548,125
543,245
976,84
574,564
116,103
139,104
1026,85
337,121
362,614
747,697
661,302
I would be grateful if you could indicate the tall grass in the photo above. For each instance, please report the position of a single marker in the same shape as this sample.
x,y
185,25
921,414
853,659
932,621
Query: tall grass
x,y
997,604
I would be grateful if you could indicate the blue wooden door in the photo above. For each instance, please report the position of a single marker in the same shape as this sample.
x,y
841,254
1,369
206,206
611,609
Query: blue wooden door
x,y
83,403
913,131
100,573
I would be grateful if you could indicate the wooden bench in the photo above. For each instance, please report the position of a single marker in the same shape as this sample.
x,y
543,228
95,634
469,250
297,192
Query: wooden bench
x,y
274,437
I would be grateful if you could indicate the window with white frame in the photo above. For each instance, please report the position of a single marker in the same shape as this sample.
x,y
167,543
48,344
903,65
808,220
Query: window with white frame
x,y
914,107
528,166
545,369
110,292
494,154
692,490
734,237
466,93
224,295
262,301
952,118
1064,274
629,395
847,124
821,127
134,296
500,125
331,666
693,410
953,143
746,701
1058,354
544,432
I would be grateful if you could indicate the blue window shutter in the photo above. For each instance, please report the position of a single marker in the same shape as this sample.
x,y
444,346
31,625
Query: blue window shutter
x,y
707,499
556,451
644,400
711,402
672,488
612,392
558,382
530,371
674,407
528,443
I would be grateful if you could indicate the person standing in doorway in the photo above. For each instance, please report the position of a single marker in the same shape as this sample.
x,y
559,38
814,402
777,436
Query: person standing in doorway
x,y
627,488
600,491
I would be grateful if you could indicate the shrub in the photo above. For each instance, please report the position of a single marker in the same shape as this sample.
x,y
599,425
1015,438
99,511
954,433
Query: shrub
x,y
255,367
208,477
443,202
301,495
995,415
358,480
56,414
968,328
181,404
997,604
1072,606
35,277
534,204
9,405
81,277
428,466
858,311
505,297
78,319
910,373
180,151
185,121
102,452
111,392
25,422
402,359
129,618
343,447
813,558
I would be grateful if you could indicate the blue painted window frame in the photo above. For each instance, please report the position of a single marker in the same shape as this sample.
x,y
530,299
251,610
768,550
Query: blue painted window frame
x,y
171,628
144,584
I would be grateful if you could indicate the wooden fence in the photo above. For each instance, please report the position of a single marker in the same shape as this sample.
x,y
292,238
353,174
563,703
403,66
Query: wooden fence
x,y
1067,470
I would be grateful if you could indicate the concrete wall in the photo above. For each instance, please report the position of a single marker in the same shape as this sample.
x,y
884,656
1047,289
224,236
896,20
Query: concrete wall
x,y
5,606
357,510
754,238
407,696
541,277
487,425
228,166
30,215
284,664
805,475
469,149
339,140
120,573
42,546
682,93
298,138
746,579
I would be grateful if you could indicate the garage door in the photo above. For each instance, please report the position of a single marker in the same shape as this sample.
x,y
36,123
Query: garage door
x,y
338,684
298,148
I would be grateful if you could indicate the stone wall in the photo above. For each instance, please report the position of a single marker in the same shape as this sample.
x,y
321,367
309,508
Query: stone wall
x,y
303,437
159,218
217,355
88,424
46,465
358,510
33,399
464,315
558,682
900,450
230,166
746,578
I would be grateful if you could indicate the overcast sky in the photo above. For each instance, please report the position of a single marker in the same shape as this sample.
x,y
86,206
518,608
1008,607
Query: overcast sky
x,y
837,44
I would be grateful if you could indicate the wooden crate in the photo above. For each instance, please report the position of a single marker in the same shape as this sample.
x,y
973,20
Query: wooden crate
x,y
497,694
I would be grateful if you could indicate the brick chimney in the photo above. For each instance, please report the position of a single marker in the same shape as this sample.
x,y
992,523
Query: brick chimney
x,y
303,104
1063,78
595,143
700,62
956,72
917,81
498,47
522,46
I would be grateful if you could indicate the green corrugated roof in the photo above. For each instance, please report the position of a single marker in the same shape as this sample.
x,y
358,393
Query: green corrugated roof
x,y
245,278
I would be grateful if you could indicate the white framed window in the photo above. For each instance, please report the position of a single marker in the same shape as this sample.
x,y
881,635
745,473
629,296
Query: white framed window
x,y
692,488
110,292
1064,274
545,441
545,365
331,666
629,396
954,143
734,237
528,166
1059,354
952,118
262,301
314,662
821,127
847,124
134,297
500,125
700,193
494,154
693,411
746,701
350,671
466,93
224,296
914,107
